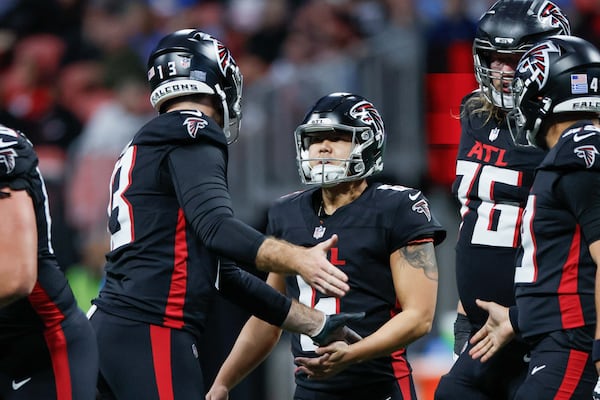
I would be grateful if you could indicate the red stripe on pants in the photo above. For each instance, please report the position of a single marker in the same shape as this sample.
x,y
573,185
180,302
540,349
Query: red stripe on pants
x,y
160,339
573,373
57,345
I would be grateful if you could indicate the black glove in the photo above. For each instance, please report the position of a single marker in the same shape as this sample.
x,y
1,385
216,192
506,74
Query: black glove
x,y
335,329
596,394
462,332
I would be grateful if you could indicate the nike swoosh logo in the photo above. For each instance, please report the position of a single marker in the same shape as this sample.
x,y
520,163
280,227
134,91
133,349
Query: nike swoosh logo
x,y
537,369
17,385
414,196
4,144
578,138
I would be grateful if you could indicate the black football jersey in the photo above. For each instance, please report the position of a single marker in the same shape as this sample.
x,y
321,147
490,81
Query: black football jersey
x,y
51,301
169,198
555,273
383,219
493,176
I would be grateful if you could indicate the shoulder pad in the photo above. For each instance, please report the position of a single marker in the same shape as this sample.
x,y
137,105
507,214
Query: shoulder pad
x,y
413,198
292,197
577,148
178,127
16,153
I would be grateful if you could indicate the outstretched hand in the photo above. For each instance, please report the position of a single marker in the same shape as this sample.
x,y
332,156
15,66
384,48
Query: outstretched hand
x,y
321,274
496,332
331,360
335,336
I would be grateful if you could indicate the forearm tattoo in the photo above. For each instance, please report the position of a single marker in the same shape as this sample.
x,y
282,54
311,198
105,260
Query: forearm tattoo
x,y
422,256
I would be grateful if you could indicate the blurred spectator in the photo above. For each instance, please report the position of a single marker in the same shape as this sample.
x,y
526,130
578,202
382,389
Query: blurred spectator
x,y
65,64
207,15
92,158
81,89
27,82
87,274
449,40
392,75
266,40
29,94
27,17
586,23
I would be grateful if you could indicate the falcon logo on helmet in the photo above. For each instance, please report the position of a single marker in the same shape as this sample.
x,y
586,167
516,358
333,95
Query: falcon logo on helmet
x,y
587,153
225,59
551,14
536,62
367,113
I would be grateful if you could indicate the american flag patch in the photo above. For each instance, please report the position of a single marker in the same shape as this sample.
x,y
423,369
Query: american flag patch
x,y
579,84
151,73
198,75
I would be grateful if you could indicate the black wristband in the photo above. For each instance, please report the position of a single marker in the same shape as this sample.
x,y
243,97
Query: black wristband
x,y
462,324
462,333
513,316
596,351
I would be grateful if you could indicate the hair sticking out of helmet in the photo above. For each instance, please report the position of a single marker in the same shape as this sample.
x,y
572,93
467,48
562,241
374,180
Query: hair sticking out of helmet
x,y
189,62
504,33
341,113
557,77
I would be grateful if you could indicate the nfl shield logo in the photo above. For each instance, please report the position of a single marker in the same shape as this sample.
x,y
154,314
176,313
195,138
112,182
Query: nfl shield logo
x,y
185,62
319,232
494,134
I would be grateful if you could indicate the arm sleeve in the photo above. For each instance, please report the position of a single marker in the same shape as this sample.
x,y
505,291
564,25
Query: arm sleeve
x,y
580,190
252,294
199,175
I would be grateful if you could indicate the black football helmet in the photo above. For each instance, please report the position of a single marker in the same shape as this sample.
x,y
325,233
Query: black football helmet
x,y
345,113
558,75
510,28
189,62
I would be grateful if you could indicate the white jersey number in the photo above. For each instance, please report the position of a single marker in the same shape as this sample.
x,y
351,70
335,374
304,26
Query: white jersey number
x,y
120,212
506,232
328,305
526,272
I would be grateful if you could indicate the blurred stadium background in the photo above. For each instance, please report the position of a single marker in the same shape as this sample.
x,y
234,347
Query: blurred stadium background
x,y
73,79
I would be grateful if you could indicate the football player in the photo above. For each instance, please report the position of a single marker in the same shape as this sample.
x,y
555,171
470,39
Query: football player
x,y
47,347
493,175
558,104
173,232
386,245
